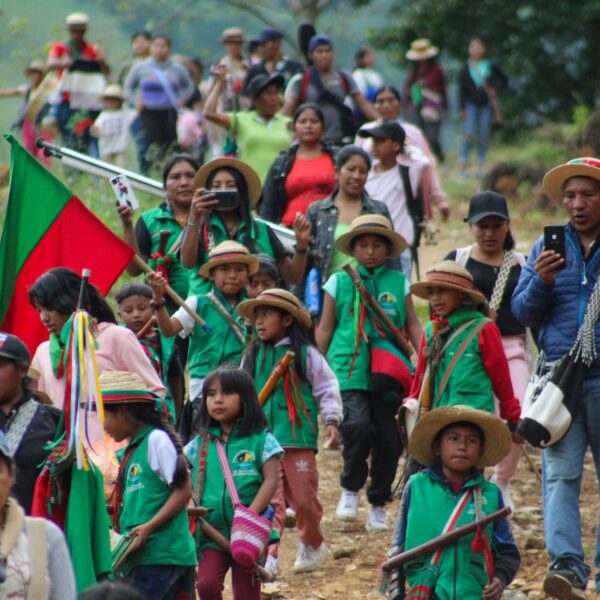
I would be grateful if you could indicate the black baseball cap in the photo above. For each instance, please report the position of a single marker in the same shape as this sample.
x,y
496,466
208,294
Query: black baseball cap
x,y
268,34
13,348
388,130
261,82
487,204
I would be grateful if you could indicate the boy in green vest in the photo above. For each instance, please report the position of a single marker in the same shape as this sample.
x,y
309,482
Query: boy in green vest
x,y
350,334
455,443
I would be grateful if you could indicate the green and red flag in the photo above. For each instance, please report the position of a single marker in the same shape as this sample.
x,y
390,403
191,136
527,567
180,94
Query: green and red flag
x,y
46,226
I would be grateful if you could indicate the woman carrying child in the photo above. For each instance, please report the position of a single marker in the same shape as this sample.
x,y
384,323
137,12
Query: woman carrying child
x,y
231,417
307,388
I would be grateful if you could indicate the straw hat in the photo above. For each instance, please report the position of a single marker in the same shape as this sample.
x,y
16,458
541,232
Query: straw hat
x,y
35,375
249,174
497,438
38,66
77,19
372,224
232,34
277,298
226,253
555,179
421,49
448,274
113,91
124,387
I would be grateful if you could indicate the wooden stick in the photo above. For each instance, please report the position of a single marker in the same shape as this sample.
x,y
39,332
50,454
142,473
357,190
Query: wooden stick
x,y
428,379
144,330
139,261
196,512
275,376
531,463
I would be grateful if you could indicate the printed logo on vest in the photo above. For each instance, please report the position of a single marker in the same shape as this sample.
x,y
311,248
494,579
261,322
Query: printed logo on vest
x,y
134,478
243,463
387,301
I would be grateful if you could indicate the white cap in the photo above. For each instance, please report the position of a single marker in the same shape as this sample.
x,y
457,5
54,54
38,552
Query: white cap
x,y
77,19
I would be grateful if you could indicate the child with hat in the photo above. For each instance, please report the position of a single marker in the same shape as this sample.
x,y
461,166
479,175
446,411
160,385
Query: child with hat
x,y
152,490
351,334
455,443
461,357
306,389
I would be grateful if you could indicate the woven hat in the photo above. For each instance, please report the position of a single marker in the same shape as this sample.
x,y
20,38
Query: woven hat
x,y
124,387
447,274
232,34
497,438
249,174
277,298
38,66
113,91
35,375
372,224
229,252
77,19
421,49
555,179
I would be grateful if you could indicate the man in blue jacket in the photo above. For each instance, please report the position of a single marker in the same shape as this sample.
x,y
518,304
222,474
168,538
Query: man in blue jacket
x,y
552,295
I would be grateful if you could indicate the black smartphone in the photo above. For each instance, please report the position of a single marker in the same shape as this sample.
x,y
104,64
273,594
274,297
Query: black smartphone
x,y
554,239
226,198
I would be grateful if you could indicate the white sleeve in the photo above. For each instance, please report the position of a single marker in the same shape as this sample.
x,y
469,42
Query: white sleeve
x,y
184,318
162,455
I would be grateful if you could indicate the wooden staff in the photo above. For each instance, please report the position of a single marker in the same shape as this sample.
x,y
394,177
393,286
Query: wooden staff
x,y
146,328
428,379
379,312
196,512
275,376
139,261
441,541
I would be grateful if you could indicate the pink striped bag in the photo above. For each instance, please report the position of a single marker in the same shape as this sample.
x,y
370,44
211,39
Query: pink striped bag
x,y
249,532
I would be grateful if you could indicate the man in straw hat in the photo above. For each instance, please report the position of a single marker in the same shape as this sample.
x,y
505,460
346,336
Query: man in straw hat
x,y
553,294
455,444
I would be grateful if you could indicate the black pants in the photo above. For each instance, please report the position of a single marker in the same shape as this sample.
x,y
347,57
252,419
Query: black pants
x,y
158,135
369,427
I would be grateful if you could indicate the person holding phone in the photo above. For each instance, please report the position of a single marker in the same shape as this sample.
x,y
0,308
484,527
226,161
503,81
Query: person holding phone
x,y
553,293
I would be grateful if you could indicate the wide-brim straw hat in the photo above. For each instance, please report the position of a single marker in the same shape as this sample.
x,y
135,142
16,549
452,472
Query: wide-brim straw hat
x,y
232,34
448,274
229,252
35,375
77,19
124,387
555,179
375,225
113,91
422,49
497,438
277,298
249,174
37,66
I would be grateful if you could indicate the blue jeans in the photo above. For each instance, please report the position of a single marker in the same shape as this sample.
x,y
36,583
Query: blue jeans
x,y
406,262
476,130
562,469
158,582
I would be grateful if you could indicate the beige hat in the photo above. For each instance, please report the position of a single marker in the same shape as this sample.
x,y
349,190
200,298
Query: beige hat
x,y
421,49
555,179
249,174
36,65
496,436
232,34
277,298
447,274
77,19
226,253
124,387
35,375
372,224
113,90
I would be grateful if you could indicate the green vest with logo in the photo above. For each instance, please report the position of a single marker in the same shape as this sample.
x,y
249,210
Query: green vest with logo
x,y
462,572
144,494
303,431
388,288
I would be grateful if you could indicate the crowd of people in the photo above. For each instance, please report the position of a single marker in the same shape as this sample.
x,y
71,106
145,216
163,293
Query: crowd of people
x,y
215,408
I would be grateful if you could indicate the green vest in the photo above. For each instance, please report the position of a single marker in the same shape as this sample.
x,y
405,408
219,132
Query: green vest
x,y
388,287
462,572
259,242
468,381
220,345
245,457
144,494
304,433
159,218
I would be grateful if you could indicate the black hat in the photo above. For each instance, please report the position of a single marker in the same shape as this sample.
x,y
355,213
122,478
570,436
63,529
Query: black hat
x,y
387,130
487,204
261,82
13,348
268,34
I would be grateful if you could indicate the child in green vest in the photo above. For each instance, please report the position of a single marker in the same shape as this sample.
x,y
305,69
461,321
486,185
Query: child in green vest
x,y
461,357
455,443
152,490
357,344
230,414
305,389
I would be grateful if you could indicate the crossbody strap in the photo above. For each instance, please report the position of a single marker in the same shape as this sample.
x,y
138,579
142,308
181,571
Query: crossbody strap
x,y
235,499
234,326
451,522
201,474
501,280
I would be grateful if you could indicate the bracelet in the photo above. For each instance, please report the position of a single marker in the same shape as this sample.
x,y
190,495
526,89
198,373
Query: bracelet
x,y
154,305
332,423
300,251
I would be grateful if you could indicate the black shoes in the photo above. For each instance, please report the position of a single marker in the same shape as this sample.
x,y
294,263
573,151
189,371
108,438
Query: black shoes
x,y
563,583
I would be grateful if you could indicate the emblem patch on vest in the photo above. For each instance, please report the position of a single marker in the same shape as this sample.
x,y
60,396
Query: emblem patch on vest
x,y
243,463
134,478
387,301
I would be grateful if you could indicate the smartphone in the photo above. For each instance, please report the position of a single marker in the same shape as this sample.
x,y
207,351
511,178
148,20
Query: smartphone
x,y
226,198
554,239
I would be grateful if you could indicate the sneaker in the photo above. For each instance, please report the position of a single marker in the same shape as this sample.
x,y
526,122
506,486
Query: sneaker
x,y
309,559
563,583
376,519
507,496
272,566
347,508
290,517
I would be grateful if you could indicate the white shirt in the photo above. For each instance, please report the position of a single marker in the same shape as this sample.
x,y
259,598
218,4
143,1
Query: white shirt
x,y
162,455
112,127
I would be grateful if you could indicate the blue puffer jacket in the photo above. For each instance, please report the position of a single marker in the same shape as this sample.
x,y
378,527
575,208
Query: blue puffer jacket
x,y
558,309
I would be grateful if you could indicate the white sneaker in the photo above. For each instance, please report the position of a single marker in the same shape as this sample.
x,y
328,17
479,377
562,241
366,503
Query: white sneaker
x,y
347,508
272,566
309,559
507,496
376,519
